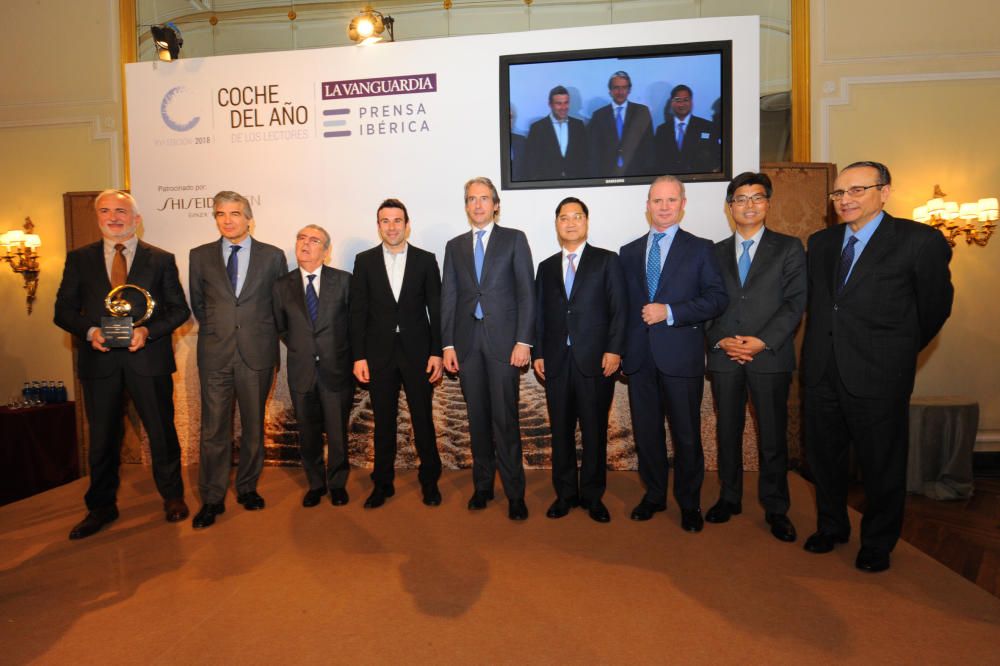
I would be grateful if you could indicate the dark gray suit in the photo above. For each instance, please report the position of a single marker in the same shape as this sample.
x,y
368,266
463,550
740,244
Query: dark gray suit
x,y
237,356
768,306
319,371
491,385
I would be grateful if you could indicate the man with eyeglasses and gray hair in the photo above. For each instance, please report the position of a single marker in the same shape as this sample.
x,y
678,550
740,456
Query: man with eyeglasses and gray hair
x,y
879,291
312,319
751,350
621,133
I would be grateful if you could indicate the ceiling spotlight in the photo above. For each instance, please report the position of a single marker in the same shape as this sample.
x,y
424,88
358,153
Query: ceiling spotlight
x,y
168,41
368,26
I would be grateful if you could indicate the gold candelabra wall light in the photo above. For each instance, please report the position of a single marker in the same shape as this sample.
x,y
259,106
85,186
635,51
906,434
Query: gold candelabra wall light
x,y
975,220
21,252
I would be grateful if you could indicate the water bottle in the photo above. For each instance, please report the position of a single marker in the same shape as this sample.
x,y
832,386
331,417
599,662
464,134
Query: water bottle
x,y
36,392
61,395
26,391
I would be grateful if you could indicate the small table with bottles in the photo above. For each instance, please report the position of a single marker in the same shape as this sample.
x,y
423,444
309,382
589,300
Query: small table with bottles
x,y
38,449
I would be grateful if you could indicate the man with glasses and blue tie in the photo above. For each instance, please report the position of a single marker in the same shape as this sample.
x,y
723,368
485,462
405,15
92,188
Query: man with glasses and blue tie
x,y
580,305
487,329
230,282
879,291
674,287
311,313
751,348
621,134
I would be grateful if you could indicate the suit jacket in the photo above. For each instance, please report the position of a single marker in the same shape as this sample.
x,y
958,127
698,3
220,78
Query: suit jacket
x,y
506,292
691,284
80,305
635,146
315,352
897,298
544,160
375,314
227,323
700,151
593,317
769,306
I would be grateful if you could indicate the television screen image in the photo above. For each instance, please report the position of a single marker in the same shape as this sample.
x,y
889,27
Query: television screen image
x,y
618,116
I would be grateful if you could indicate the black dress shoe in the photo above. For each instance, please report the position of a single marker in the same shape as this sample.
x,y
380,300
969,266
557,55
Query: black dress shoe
x,y
691,520
338,496
251,501
93,522
723,511
822,542
781,527
379,495
432,496
646,509
872,560
175,510
598,512
478,500
517,510
206,515
313,496
561,507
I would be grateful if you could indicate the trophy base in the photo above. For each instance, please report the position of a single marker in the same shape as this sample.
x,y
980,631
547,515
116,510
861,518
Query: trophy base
x,y
117,331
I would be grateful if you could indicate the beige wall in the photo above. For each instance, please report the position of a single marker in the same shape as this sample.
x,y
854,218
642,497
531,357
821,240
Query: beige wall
x,y
59,119
916,84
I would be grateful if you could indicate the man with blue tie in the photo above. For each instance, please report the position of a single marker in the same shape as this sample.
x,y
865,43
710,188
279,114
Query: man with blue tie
x,y
674,287
580,304
311,315
487,328
751,347
230,283
621,133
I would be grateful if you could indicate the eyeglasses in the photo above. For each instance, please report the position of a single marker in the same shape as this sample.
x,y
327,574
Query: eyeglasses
x,y
309,239
680,100
576,217
855,191
744,200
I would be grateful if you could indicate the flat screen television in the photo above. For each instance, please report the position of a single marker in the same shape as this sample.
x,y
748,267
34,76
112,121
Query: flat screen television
x,y
614,116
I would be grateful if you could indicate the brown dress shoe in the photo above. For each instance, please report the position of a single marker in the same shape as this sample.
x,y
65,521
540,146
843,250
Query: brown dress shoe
x,y
175,509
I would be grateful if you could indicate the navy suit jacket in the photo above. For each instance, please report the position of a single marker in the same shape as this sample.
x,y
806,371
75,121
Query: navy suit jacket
x,y
543,159
691,284
635,146
593,316
700,150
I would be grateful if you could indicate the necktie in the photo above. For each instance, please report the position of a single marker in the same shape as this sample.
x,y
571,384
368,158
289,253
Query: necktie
x,y
619,125
653,265
846,259
680,136
570,273
233,266
561,136
479,256
744,263
119,270
312,300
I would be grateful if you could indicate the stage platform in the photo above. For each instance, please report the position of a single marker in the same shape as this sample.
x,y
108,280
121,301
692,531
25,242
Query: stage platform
x,y
411,584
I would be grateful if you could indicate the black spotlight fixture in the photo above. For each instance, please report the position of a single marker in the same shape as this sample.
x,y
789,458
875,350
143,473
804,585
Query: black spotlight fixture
x,y
168,41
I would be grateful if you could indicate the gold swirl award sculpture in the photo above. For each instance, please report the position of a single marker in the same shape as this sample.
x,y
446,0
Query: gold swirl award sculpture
x,y
117,329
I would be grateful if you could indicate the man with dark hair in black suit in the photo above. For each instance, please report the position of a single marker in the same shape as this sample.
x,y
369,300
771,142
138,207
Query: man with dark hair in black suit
x,y
879,291
751,347
396,341
580,304
686,143
621,134
557,144
143,369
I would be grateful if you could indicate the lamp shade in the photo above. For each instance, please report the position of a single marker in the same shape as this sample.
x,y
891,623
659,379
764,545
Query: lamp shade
x,y
969,211
920,214
32,240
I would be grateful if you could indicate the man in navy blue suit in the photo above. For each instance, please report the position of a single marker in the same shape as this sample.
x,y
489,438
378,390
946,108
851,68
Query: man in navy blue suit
x,y
674,286
579,339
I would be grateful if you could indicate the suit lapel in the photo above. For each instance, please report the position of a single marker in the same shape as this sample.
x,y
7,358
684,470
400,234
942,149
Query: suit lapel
x,y
582,271
99,267
408,272
765,253
218,266
729,259
677,252
878,245
496,237
381,273
328,288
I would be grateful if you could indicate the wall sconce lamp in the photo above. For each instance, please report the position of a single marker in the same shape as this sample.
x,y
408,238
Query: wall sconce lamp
x,y
975,220
368,26
21,252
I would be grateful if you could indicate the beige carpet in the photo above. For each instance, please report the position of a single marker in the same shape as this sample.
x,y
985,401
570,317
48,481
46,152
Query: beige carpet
x,y
412,584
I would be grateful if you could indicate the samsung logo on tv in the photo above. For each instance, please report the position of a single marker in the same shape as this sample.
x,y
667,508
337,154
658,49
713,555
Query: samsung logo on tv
x,y
613,181
387,85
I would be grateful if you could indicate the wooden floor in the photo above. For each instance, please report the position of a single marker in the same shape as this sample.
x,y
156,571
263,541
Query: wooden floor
x,y
964,535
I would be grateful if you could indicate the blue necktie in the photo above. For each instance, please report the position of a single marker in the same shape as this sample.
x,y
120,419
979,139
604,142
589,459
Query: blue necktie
x,y
846,259
479,256
312,300
653,265
680,136
744,263
233,266
619,125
